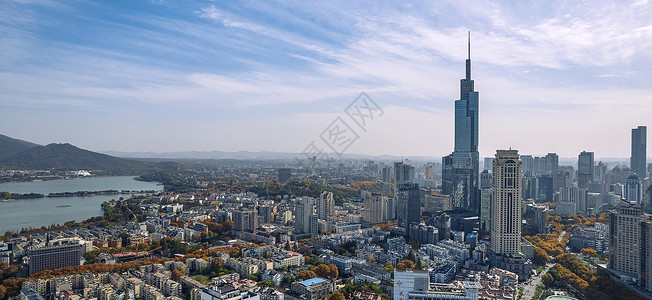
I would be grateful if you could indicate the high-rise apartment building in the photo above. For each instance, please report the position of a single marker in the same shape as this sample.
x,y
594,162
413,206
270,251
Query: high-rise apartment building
x,y
325,206
460,169
639,151
245,220
506,208
585,169
57,254
375,207
306,219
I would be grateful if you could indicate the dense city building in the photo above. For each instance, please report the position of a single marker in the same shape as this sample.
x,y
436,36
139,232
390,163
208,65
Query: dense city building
x,y
506,208
55,254
585,169
409,205
325,206
306,219
506,251
375,207
630,244
245,220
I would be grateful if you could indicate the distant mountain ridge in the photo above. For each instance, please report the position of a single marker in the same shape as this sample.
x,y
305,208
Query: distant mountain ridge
x,y
22,155
249,155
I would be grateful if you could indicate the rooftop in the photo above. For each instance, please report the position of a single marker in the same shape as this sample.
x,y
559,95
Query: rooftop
x,y
311,281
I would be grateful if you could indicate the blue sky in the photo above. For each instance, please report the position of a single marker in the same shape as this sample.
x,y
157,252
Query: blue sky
x,y
553,76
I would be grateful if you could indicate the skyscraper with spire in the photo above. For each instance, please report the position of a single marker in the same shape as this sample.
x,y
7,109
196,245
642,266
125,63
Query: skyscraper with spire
x,y
460,169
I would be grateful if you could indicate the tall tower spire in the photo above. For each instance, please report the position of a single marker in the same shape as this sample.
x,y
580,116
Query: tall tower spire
x,y
468,60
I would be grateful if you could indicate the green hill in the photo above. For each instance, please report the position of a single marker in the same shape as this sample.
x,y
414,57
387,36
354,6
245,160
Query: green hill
x,y
10,146
66,157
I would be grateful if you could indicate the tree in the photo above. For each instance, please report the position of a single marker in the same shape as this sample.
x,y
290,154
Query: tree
x,y
540,256
389,268
7,270
303,275
176,274
3,291
405,264
547,279
588,252
322,270
326,271
336,296
334,272
267,283
216,264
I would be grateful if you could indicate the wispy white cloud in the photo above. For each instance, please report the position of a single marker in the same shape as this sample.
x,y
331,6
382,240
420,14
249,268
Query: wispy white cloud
x,y
307,59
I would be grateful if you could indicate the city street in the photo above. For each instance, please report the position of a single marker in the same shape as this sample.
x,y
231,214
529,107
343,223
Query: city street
x,y
532,284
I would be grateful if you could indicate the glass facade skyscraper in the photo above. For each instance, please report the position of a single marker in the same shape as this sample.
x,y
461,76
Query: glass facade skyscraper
x,y
460,169
639,145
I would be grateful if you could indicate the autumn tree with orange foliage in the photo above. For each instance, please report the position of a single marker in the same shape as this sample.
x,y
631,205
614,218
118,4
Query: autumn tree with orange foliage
x,y
405,264
336,296
588,252
303,275
176,274
326,271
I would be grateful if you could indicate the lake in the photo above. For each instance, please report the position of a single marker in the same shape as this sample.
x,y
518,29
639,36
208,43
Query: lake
x,y
25,213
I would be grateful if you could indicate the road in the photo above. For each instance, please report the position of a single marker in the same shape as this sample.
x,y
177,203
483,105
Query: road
x,y
531,287
561,235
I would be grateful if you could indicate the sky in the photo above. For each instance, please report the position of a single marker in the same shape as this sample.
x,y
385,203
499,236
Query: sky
x,y
161,76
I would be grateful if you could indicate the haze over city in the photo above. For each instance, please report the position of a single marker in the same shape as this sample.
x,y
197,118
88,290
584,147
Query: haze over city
x,y
201,75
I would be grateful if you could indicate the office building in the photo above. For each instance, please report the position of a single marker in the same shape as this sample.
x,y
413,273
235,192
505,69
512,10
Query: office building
x,y
375,208
409,205
506,208
57,254
403,173
639,151
485,208
245,220
585,169
325,206
545,185
460,169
